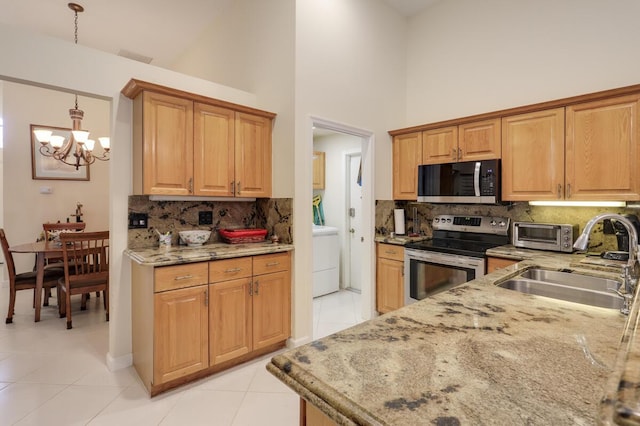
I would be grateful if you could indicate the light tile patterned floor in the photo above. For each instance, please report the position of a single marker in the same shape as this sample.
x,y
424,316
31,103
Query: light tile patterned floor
x,y
53,376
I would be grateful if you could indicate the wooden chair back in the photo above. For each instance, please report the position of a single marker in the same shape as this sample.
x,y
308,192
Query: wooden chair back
x,y
8,256
86,267
64,227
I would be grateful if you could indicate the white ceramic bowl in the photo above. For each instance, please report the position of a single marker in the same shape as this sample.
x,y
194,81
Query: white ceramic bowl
x,y
194,238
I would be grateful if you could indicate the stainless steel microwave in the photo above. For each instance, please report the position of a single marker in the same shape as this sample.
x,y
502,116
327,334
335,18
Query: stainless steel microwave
x,y
544,236
470,182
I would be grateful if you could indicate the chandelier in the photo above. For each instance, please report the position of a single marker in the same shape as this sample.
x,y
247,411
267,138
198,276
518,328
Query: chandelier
x,y
77,151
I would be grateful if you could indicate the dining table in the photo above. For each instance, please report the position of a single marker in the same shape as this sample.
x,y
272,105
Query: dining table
x,y
43,250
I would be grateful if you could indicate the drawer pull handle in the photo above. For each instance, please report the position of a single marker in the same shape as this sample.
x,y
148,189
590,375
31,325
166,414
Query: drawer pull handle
x,y
273,263
183,277
390,252
230,270
257,289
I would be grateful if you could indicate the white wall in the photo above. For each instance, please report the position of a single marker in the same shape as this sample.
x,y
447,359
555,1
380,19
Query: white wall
x,y
250,46
25,207
467,57
102,75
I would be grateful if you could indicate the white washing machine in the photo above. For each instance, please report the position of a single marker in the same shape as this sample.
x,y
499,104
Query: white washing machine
x,y
326,260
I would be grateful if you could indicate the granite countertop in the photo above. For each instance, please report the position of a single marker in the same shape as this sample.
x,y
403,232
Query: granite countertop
x,y
476,354
399,239
174,255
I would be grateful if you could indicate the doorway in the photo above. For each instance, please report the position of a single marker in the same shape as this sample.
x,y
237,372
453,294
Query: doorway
x,y
355,165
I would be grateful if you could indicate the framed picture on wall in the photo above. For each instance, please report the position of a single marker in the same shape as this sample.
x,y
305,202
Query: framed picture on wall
x,y
48,168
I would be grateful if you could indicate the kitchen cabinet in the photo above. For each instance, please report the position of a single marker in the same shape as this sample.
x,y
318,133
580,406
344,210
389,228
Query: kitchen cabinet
x,y
407,155
252,310
533,156
192,320
602,155
389,277
180,324
495,263
186,144
592,158
318,169
467,142
230,309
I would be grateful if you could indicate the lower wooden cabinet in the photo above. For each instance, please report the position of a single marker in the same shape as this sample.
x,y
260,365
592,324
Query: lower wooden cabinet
x,y
389,277
192,320
494,263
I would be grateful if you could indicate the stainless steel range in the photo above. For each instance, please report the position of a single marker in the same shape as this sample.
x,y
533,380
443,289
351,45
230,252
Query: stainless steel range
x,y
454,255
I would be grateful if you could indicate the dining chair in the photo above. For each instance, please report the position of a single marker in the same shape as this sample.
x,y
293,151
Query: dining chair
x,y
25,280
86,268
52,230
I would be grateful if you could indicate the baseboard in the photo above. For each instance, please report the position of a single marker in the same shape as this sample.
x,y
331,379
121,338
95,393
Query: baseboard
x,y
294,343
120,362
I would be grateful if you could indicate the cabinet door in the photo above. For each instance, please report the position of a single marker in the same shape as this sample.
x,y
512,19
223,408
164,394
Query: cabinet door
x,y
533,156
602,150
495,263
318,169
440,145
230,319
213,141
407,155
271,308
389,285
181,333
479,140
167,146
252,156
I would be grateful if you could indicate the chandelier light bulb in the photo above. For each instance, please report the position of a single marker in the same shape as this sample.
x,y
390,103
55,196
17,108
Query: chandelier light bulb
x,y
105,142
56,141
80,136
43,136
89,144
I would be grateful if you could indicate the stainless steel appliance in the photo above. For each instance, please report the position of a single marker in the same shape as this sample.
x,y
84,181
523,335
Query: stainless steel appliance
x,y
454,255
544,236
476,182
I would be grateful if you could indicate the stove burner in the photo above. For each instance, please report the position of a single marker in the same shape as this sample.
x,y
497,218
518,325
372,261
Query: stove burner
x,y
465,235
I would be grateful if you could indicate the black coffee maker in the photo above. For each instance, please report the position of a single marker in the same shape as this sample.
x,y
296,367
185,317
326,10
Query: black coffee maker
x,y
612,226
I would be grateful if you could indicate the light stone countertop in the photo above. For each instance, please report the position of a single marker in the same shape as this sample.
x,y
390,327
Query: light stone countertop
x,y
175,255
476,354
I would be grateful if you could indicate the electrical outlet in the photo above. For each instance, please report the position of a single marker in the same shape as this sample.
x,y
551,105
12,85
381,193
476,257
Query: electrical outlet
x,y
138,220
205,218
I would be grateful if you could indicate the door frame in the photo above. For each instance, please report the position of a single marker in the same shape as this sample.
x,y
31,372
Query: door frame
x,y
347,261
368,206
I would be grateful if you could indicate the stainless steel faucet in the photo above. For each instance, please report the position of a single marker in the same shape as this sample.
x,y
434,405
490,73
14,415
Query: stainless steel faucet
x,y
629,271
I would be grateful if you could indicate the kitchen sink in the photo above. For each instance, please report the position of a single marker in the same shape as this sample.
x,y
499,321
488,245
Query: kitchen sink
x,y
572,287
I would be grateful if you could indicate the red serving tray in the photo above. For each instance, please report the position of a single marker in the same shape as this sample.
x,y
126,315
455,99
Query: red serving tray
x,y
238,236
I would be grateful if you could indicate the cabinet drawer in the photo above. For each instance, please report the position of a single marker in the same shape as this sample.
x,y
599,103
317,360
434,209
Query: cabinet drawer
x,y
180,276
391,251
267,263
229,269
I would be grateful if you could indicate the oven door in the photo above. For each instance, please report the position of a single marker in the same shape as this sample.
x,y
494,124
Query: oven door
x,y
428,272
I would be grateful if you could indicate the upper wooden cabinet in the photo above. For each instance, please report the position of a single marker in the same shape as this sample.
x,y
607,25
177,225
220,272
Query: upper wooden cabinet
x,y
602,155
186,144
583,148
533,156
318,169
407,155
593,158
466,142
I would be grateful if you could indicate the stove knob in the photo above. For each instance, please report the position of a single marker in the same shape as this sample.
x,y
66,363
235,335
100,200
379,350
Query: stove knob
x,y
503,223
448,220
436,220
493,223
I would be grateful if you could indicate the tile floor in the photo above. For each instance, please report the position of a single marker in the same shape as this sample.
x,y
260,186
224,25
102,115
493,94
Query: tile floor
x,y
53,376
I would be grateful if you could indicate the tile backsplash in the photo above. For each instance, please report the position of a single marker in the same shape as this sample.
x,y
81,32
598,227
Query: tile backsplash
x,y
274,214
516,212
